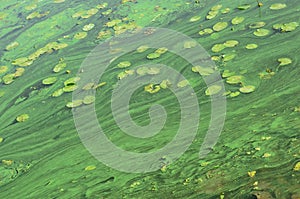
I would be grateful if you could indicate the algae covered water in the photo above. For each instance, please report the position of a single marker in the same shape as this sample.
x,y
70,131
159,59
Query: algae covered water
x,y
149,99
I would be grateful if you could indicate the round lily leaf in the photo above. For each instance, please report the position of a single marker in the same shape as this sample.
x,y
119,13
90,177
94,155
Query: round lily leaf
x,y
212,90
195,18
80,35
49,80
3,69
277,6
124,64
218,48
257,24
261,32
142,48
161,50
247,89
22,118
190,44
153,55
57,93
89,99
251,46
231,43
236,79
284,61
182,83
88,27
220,26
237,20
74,103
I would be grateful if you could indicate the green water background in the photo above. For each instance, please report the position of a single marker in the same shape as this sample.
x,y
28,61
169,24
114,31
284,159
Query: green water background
x,y
49,159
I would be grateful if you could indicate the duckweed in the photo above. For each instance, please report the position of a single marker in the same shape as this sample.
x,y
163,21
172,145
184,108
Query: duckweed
x,y
49,80
22,118
220,26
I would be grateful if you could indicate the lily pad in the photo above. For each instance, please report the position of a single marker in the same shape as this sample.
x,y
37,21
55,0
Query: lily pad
x,y
153,71
195,18
22,61
251,46
216,7
205,71
247,89
227,73
234,94
59,67
182,83
212,90
8,79
206,31
88,27
142,70
69,88
80,35
277,6
284,61
165,84
19,72
220,26
261,32
288,27
71,81
89,99
57,93
228,57
237,20
74,103
3,69
244,7
151,88
49,80
124,64
190,44
225,10
153,55
22,118
231,43
236,79
161,50
257,24
12,45
218,48
142,48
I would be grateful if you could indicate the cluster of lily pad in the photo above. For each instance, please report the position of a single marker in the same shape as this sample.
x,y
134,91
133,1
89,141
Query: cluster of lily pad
x,y
157,53
286,27
228,44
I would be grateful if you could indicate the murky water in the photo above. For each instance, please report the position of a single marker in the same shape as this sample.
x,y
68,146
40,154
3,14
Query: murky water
x,y
241,55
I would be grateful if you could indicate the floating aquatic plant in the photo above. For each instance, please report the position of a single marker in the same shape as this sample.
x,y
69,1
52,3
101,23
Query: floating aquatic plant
x,y
195,18
212,90
236,79
228,57
59,67
259,24
261,32
206,31
182,83
8,79
3,69
57,93
153,55
80,35
244,7
277,6
74,103
142,48
234,94
151,88
124,64
218,48
89,99
205,71
225,10
227,73
237,20
231,43
70,88
71,81
247,89
251,46
19,72
161,50
22,118
49,80
12,45
88,27
165,84
220,26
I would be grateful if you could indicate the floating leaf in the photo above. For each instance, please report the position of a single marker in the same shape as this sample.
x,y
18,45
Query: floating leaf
x,y
60,66
12,45
277,6
22,61
212,90
22,118
288,27
8,79
220,26
57,93
165,84
153,55
69,88
247,89
231,43
1,139
237,20
151,88
225,10
244,7
234,94
161,50
216,7
142,70
90,168
19,72
228,57
261,32
251,46
74,103
218,48
190,44
297,167
203,70
236,79
71,81
227,73
195,18
80,35
182,83
206,31
124,64
89,99
257,24
49,80
142,48
88,27
284,61
153,71
3,69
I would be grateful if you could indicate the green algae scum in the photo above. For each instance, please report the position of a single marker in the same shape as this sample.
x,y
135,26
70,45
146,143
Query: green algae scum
x,y
249,61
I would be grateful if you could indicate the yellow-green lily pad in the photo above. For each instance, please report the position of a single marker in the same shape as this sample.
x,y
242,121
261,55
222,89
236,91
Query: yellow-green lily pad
x,y
261,32
88,27
89,99
277,6
19,72
237,20
205,71
8,79
59,67
216,7
190,44
80,35
225,10
284,61
70,88
142,48
247,89
12,45
151,88
153,55
153,71
74,103
218,48
259,24
182,83
231,43
228,57
165,84
49,80
3,69
244,7
227,73
71,81
161,50
57,93
195,18
124,64
206,31
220,26
212,90
236,79
142,70
251,46
288,27
22,118
234,94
